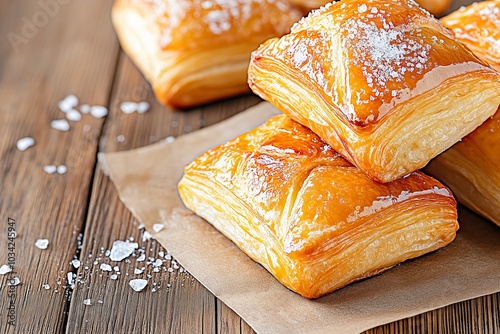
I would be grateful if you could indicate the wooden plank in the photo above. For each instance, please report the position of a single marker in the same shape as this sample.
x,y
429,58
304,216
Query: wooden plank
x,y
70,49
185,306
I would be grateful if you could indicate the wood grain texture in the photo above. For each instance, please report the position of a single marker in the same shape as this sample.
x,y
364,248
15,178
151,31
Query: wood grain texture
x,y
180,304
75,51
56,58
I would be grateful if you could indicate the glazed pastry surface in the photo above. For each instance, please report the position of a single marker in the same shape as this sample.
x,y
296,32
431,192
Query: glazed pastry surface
x,y
436,7
311,218
478,27
471,168
197,51
383,82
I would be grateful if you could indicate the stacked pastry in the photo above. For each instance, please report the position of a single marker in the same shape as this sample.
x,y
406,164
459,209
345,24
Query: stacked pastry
x,y
471,168
330,193
197,51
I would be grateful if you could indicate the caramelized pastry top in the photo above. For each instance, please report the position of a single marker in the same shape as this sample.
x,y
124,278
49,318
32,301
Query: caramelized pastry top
x,y
210,22
390,53
300,187
478,26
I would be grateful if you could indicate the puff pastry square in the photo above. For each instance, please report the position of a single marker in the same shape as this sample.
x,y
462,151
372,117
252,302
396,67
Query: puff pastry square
x,y
312,219
478,27
471,168
197,51
383,82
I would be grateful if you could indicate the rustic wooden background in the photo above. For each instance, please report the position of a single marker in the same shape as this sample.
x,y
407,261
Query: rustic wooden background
x,y
52,48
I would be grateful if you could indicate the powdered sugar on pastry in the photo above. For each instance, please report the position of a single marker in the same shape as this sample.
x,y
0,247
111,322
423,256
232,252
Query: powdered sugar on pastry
x,y
386,201
478,26
216,16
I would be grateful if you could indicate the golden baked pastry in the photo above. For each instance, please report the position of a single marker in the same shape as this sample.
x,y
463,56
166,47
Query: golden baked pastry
x,y
478,26
436,7
383,82
471,168
312,219
197,51
307,5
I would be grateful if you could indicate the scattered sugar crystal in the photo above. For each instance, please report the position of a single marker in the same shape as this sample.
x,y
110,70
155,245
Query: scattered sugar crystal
x,y
169,139
362,8
98,111
70,279
60,124
46,286
138,271
75,263
62,169
100,302
142,107
5,269
116,268
141,258
68,103
161,254
113,276
146,236
140,227
138,284
24,143
85,108
168,256
50,169
120,138
14,281
105,267
42,243
87,302
157,263
156,269
170,270
107,252
158,227
128,107
73,115
122,250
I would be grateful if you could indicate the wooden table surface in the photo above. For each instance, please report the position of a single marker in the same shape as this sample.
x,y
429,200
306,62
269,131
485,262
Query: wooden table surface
x,y
52,48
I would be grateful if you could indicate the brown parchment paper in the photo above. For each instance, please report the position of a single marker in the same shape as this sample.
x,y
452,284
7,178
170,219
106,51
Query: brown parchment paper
x,y
146,180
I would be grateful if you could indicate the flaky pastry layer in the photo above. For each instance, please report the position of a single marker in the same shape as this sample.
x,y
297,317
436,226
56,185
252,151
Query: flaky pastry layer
x,y
193,51
312,219
471,168
383,82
